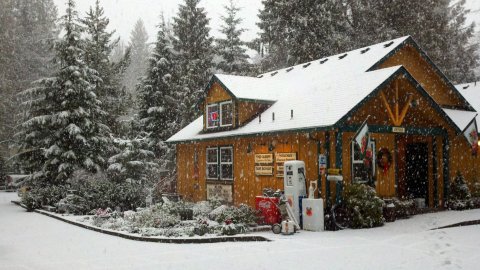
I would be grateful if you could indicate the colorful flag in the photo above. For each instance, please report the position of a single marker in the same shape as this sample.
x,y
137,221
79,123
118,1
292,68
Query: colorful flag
x,y
362,138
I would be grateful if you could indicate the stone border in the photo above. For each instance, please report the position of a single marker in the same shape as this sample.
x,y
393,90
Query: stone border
x,y
243,238
459,224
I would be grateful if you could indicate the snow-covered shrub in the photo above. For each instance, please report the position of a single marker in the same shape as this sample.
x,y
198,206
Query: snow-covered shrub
x,y
36,197
30,200
73,204
243,214
459,197
404,208
363,206
202,209
156,217
182,209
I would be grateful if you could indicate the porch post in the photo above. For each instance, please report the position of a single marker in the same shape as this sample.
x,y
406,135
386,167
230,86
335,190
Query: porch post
x,y
446,173
338,165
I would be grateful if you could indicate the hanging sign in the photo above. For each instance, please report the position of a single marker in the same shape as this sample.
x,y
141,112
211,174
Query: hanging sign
x,y
282,157
220,192
322,163
398,129
263,158
471,134
263,170
362,138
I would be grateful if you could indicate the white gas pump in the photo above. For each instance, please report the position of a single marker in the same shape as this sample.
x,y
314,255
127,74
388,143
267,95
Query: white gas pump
x,y
294,183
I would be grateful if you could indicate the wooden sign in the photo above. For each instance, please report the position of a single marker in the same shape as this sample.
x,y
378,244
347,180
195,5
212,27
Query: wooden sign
x,y
263,170
334,171
282,157
263,158
398,129
220,192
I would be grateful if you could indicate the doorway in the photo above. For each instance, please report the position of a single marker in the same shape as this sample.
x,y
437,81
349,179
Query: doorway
x,y
417,170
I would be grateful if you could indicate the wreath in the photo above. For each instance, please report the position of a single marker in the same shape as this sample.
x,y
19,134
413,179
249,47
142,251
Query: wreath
x,y
384,159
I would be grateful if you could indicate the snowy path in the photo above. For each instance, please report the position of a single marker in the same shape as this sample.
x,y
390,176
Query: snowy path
x,y
34,241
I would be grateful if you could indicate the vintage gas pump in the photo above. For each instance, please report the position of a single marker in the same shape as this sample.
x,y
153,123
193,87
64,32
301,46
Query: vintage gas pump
x,y
295,187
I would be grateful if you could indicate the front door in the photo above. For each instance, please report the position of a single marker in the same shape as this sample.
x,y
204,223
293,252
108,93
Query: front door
x,y
417,170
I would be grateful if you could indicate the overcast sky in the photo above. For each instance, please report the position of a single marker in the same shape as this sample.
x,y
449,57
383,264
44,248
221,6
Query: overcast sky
x,y
124,13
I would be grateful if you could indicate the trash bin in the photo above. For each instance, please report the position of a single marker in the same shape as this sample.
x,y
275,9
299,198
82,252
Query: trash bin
x,y
269,212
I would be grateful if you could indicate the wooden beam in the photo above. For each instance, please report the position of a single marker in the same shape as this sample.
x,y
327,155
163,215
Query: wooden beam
x,y
405,110
389,110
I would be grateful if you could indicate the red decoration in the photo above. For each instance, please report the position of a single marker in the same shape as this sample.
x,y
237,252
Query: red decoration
x,y
384,159
309,211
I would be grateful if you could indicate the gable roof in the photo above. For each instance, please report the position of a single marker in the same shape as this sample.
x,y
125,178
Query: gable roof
x,y
320,92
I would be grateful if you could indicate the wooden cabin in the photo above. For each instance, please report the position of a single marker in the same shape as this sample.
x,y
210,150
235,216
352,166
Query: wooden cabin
x,y
311,112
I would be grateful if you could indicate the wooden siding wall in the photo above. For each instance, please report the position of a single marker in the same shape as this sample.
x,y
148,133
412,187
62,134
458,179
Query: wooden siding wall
x,y
424,74
248,110
246,185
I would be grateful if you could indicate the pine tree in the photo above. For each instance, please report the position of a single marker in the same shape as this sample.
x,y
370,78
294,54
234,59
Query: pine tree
x,y
231,48
99,47
157,103
194,47
3,170
64,132
27,31
139,54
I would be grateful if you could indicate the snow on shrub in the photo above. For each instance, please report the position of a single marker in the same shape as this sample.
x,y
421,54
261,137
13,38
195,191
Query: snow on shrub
x,y
459,197
363,207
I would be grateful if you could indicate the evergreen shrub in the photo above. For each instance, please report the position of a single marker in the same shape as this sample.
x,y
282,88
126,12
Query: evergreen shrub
x,y
459,197
363,207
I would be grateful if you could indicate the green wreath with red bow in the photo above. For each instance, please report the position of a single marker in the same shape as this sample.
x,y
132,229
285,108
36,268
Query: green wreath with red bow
x,y
384,159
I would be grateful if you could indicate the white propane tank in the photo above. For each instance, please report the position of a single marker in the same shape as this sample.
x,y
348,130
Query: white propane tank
x,y
294,184
288,227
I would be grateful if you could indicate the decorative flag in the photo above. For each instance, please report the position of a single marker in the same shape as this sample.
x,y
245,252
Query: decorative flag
x,y
471,133
362,138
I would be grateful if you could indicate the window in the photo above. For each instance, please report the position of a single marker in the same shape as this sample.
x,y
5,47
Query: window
x,y
212,116
362,171
220,114
212,163
220,163
226,163
226,113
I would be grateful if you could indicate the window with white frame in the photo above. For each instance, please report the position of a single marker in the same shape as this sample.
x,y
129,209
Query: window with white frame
x,y
226,163
212,163
226,113
220,163
363,166
213,116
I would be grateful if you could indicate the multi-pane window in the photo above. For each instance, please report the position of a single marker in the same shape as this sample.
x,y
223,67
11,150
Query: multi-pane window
x,y
226,113
213,116
226,163
220,114
220,163
363,165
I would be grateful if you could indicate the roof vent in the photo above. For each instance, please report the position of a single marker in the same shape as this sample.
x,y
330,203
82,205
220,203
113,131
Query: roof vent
x,y
291,114
466,86
273,116
306,65
260,76
274,73
323,61
259,118
343,56
289,69
364,50
388,44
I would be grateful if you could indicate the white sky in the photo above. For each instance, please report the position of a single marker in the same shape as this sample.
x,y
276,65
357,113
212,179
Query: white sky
x,y
124,13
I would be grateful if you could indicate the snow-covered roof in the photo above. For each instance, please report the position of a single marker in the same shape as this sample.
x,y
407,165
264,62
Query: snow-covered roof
x,y
320,92
471,92
460,118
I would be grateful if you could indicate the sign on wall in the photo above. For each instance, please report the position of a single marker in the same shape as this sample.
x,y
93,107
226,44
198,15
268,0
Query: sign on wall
x,y
280,159
263,158
263,170
220,192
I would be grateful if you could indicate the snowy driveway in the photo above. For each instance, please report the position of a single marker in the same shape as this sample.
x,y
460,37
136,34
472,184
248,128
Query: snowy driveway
x,y
34,241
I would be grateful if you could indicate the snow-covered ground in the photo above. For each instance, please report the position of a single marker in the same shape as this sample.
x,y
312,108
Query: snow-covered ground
x,y
34,241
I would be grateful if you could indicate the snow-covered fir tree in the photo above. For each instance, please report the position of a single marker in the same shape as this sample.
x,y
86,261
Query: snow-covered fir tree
x,y
98,48
134,163
157,103
139,54
27,32
64,132
195,53
231,48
